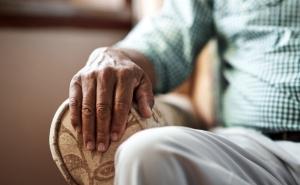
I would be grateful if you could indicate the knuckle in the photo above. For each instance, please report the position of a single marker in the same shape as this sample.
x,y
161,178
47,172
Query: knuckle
x,y
121,105
87,133
74,103
108,70
103,111
147,87
107,73
116,126
75,83
151,98
76,78
87,136
125,73
146,97
87,112
102,135
89,75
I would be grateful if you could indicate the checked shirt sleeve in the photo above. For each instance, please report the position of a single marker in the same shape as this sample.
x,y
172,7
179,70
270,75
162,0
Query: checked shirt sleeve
x,y
172,39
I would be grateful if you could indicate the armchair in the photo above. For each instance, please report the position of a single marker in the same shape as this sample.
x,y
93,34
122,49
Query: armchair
x,y
82,167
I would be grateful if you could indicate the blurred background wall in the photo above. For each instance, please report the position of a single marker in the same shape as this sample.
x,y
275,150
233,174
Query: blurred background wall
x,y
43,44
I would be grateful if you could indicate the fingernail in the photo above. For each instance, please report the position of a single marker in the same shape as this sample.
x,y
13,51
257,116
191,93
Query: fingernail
x,y
101,147
114,136
90,145
78,129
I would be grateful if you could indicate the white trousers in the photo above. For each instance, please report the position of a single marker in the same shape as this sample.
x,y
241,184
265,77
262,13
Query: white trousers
x,y
185,156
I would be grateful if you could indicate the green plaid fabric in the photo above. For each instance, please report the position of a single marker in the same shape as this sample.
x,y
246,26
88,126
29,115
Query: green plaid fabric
x,y
259,47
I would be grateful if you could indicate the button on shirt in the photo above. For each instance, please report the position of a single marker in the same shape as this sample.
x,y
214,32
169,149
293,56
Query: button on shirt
x,y
259,47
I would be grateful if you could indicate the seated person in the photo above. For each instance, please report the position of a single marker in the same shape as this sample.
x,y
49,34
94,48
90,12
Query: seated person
x,y
259,47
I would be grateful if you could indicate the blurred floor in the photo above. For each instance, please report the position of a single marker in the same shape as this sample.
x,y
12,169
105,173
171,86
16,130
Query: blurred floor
x,y
36,66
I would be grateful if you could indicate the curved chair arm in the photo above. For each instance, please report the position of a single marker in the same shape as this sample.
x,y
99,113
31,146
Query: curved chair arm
x,y
80,166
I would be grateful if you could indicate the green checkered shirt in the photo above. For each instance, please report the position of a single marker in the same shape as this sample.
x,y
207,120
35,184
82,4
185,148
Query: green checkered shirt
x,y
259,47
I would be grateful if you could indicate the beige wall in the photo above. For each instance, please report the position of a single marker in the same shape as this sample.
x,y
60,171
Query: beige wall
x,y
36,66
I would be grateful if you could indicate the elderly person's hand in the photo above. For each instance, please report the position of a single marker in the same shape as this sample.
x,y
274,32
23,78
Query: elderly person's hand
x,y
101,94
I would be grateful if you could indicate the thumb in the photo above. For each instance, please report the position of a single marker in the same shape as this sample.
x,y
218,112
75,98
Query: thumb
x,y
144,97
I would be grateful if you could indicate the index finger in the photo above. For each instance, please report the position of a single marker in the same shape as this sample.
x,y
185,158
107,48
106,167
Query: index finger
x,y
75,100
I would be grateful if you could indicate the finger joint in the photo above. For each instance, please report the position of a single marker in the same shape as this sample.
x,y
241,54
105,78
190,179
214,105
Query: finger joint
x,y
103,111
74,103
121,106
87,112
102,135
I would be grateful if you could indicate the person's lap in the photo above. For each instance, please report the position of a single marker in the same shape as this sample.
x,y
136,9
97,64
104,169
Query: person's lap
x,y
179,155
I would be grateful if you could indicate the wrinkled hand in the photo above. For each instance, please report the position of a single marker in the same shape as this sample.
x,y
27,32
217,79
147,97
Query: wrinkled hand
x,y
101,94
